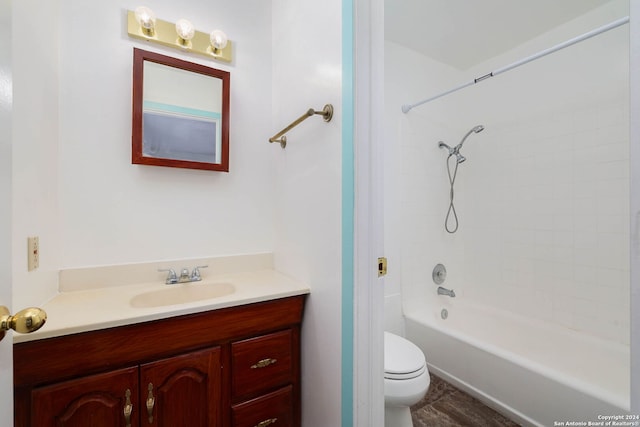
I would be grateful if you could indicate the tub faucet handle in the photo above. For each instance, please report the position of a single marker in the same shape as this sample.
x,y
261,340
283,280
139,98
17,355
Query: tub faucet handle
x,y
439,274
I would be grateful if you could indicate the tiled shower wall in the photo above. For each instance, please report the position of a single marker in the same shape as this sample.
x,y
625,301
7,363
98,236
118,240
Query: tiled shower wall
x,y
543,198
546,220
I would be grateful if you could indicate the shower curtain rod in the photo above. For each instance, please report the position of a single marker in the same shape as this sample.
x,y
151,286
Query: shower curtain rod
x,y
406,107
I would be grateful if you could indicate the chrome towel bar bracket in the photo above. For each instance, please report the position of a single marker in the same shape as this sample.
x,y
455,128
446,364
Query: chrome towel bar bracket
x,y
326,113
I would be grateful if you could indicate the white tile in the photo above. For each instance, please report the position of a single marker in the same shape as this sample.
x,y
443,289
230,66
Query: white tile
x,y
586,256
613,278
587,120
612,134
618,151
613,116
585,139
585,274
612,170
585,220
613,224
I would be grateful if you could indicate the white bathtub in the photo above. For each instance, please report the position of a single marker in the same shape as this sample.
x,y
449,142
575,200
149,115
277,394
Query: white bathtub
x,y
534,372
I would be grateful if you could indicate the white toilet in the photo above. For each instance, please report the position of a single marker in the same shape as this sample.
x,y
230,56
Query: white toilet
x,y
406,379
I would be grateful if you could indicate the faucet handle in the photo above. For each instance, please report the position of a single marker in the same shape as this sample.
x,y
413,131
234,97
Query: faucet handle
x,y
195,273
172,278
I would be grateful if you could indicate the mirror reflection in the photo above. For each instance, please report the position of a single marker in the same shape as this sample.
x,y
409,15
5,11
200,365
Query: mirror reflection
x,y
180,113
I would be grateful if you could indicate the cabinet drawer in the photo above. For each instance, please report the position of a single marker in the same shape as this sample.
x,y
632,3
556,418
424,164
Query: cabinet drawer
x,y
261,363
274,409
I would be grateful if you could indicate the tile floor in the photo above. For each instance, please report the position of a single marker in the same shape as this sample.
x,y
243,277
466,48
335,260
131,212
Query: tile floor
x,y
446,406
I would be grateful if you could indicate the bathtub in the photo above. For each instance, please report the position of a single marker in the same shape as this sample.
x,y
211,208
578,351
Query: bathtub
x,y
533,372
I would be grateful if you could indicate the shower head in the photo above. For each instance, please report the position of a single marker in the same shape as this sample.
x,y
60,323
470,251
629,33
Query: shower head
x,y
455,151
475,129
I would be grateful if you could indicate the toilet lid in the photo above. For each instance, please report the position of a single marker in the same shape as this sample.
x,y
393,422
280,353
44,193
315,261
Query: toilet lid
x,y
402,358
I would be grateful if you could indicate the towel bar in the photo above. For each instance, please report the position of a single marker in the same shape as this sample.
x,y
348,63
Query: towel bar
x,y
326,112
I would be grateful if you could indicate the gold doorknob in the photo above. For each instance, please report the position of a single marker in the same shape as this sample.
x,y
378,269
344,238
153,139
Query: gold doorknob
x,y
25,321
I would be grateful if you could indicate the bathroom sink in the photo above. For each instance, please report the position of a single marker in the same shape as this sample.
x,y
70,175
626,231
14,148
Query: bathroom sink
x,y
182,293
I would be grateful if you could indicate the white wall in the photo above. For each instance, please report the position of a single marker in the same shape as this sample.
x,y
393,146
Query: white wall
x,y
74,183
95,208
543,197
6,107
35,149
142,212
307,74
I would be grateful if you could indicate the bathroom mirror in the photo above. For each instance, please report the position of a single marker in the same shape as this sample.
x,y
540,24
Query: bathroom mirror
x,y
180,113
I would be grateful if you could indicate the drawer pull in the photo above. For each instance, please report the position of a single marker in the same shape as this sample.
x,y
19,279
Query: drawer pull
x,y
266,422
150,403
263,364
128,408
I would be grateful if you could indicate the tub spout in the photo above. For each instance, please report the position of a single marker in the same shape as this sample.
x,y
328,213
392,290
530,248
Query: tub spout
x,y
447,292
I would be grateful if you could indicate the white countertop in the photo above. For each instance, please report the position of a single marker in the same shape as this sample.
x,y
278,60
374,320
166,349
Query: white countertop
x,y
92,309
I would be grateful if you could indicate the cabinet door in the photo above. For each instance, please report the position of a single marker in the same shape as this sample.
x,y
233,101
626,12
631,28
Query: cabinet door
x,y
102,400
182,391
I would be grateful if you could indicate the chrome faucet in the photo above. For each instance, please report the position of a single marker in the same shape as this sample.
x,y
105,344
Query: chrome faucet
x,y
195,273
185,277
447,292
171,276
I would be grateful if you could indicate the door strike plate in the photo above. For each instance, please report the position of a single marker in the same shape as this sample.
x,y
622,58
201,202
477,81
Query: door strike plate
x,y
382,266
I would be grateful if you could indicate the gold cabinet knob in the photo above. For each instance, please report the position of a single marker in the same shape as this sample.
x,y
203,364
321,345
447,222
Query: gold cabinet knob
x,y
25,321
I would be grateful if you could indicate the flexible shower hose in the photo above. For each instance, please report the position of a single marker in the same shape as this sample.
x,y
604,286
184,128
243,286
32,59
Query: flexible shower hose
x,y
452,209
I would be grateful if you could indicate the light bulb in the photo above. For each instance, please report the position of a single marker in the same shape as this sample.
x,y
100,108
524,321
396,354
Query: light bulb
x,y
146,18
218,39
185,29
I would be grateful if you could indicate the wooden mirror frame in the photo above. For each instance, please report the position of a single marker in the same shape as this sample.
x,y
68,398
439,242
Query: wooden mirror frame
x,y
137,156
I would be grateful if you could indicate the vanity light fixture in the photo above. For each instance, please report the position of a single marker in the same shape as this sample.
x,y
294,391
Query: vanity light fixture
x,y
142,24
186,31
146,19
218,40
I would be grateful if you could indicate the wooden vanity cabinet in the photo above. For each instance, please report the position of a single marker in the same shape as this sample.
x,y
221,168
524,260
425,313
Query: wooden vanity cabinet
x,y
238,366
171,392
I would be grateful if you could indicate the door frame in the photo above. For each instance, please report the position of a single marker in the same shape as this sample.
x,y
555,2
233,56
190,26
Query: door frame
x,y
367,301
368,213
6,108
634,98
